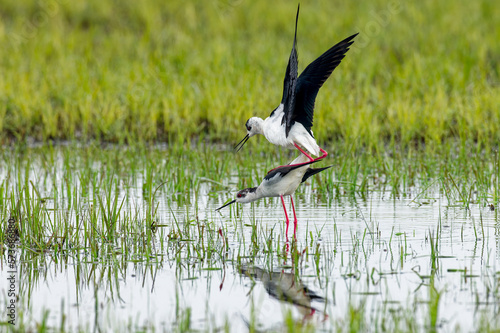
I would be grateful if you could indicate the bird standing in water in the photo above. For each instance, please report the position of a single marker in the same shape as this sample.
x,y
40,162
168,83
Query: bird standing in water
x,y
279,182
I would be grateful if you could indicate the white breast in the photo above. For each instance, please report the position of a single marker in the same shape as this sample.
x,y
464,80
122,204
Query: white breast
x,y
275,133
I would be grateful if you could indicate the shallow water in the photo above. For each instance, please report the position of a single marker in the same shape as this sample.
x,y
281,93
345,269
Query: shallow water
x,y
373,255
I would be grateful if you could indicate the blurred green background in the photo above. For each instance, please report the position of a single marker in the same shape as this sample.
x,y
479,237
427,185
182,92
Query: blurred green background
x,y
182,71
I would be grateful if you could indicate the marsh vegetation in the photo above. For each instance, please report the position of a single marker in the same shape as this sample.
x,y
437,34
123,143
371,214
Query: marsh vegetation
x,y
117,122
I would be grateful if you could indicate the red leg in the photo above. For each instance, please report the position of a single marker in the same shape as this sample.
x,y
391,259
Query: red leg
x,y
325,154
287,250
303,152
294,219
223,278
308,156
286,214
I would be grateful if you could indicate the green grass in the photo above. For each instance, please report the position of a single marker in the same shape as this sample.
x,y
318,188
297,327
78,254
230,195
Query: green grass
x,y
94,184
128,71
95,208
411,113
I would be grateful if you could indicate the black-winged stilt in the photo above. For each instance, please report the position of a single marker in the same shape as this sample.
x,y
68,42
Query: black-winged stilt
x,y
279,182
289,125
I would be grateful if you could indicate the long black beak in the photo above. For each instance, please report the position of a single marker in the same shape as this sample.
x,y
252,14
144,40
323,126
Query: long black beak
x,y
231,202
242,143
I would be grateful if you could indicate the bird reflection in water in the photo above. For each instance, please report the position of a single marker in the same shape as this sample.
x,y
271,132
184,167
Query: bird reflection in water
x,y
286,287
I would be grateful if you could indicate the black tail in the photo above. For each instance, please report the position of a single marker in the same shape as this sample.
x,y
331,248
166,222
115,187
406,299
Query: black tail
x,y
287,168
311,172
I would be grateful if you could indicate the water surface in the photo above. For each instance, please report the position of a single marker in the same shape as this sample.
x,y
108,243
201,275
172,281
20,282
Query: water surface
x,y
394,260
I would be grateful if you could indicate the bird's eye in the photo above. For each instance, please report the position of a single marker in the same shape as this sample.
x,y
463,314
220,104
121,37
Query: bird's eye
x,y
239,195
249,128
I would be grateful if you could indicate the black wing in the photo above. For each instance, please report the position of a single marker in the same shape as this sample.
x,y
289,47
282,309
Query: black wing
x,y
292,69
284,170
309,82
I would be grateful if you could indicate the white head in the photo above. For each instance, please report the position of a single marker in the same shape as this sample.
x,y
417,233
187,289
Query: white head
x,y
244,196
247,195
254,126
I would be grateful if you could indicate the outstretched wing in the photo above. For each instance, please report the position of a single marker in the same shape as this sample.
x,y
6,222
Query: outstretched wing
x,y
311,79
290,81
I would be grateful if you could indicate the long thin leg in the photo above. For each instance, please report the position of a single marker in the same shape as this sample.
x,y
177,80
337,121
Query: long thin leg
x,y
303,152
286,214
287,250
325,154
294,219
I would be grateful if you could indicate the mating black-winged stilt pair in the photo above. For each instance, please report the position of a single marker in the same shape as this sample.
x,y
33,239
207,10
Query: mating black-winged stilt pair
x,y
289,125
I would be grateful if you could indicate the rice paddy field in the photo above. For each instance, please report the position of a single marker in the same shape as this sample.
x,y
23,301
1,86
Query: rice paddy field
x,y
117,123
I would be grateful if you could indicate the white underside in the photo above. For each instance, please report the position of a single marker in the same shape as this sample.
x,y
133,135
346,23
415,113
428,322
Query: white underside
x,y
274,132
